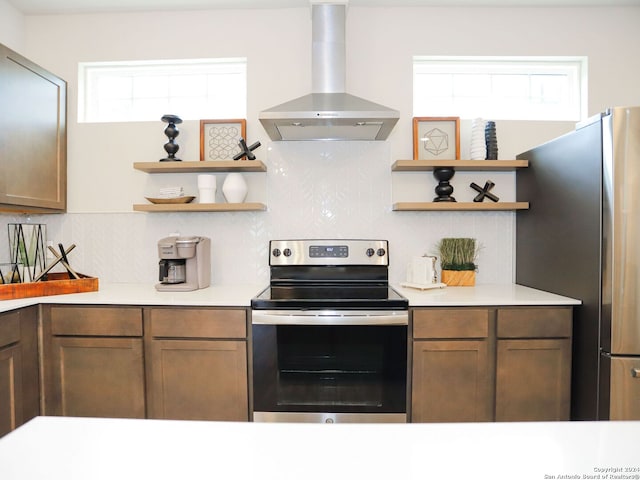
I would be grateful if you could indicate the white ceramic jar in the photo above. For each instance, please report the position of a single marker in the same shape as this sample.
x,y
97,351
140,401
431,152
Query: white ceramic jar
x,y
206,188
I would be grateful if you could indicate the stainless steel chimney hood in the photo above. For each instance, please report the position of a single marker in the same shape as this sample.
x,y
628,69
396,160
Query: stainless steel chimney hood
x,y
329,113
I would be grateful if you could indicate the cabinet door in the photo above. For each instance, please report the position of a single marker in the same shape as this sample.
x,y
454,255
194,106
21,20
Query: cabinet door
x,y
451,381
533,379
97,377
198,380
10,389
33,165
19,372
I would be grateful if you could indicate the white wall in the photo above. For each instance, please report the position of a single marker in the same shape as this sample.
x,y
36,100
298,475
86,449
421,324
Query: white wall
x,y
314,189
11,27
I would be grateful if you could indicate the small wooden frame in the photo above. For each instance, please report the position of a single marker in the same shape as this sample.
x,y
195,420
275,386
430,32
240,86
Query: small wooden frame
x,y
219,138
436,138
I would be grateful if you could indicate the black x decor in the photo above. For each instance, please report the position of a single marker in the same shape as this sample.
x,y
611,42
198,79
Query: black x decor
x,y
484,192
246,151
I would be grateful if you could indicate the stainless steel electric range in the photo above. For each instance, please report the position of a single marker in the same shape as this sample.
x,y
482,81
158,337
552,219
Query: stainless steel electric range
x,y
329,335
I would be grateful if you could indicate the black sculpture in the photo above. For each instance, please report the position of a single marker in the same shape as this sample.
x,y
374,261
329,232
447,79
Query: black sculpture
x,y
171,147
246,151
484,192
444,188
491,140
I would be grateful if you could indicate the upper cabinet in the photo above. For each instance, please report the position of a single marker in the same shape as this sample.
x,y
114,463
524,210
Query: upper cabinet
x,y
33,148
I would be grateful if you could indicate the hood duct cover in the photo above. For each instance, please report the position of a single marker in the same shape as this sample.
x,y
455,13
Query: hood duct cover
x,y
329,113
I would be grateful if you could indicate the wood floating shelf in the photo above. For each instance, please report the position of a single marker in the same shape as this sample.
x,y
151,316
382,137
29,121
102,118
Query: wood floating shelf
x,y
426,165
195,167
201,207
458,206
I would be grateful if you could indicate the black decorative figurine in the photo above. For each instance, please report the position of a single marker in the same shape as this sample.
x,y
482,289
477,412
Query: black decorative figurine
x,y
171,147
484,192
444,188
246,151
491,140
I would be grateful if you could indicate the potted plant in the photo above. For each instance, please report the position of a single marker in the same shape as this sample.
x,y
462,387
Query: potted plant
x,y
457,260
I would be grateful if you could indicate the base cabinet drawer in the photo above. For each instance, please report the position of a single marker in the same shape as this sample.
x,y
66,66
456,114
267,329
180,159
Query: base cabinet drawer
x,y
198,323
96,321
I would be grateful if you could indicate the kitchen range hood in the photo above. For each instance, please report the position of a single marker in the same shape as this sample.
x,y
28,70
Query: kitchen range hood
x,y
328,113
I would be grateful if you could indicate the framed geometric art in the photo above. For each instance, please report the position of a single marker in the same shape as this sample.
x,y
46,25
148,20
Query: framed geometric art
x,y
219,138
436,138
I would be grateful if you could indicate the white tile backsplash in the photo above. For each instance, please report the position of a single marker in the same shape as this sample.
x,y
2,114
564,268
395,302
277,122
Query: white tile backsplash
x,y
313,190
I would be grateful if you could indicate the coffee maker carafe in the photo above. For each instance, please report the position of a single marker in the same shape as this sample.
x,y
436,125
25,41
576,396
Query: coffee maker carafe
x,y
185,263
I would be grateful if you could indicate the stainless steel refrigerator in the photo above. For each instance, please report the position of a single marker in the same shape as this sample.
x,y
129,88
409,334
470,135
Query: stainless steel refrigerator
x,y
581,238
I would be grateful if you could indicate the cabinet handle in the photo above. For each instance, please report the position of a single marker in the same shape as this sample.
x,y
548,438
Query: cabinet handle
x,y
635,372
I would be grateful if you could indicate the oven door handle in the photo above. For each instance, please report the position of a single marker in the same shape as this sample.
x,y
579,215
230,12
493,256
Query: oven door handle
x,y
331,317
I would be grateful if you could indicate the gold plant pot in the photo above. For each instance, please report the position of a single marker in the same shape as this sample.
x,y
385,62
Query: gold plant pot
x,y
459,278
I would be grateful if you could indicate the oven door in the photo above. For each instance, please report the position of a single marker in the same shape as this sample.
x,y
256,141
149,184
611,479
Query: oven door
x,y
329,366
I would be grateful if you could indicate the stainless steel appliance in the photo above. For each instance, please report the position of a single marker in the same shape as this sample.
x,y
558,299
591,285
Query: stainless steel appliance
x,y
185,263
329,335
581,238
328,113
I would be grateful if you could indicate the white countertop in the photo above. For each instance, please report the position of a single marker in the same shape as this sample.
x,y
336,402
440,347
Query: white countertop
x,y
483,295
240,296
59,448
146,294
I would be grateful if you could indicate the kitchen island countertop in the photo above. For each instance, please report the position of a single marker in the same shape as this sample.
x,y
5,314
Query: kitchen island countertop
x,y
91,448
240,296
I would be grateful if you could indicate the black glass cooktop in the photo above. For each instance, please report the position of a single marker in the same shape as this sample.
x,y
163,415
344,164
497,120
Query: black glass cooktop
x,y
334,296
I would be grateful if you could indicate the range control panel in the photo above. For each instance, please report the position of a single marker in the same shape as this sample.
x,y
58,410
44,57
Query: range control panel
x,y
328,252
324,251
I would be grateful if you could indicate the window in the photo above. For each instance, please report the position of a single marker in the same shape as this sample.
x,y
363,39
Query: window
x,y
513,88
146,90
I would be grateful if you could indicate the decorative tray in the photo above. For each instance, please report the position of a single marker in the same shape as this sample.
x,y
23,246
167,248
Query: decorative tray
x,y
183,199
55,284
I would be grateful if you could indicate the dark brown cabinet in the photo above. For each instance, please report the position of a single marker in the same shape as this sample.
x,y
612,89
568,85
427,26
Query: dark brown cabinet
x,y
19,387
197,364
33,150
533,369
452,366
10,386
177,363
502,364
94,361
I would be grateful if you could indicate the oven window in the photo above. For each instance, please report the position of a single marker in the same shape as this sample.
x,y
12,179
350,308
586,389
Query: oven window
x,y
359,369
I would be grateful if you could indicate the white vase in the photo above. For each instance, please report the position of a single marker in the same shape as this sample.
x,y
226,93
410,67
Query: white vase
x,y
478,149
235,188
